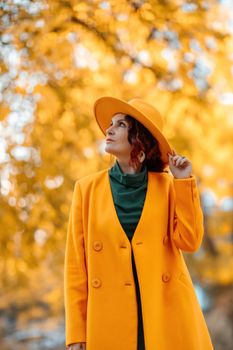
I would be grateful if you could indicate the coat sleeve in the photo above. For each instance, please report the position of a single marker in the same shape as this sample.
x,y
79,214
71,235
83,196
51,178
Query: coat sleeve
x,y
187,215
75,273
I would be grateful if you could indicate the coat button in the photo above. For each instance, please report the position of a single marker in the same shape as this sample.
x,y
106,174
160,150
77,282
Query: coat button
x,y
97,245
166,277
165,239
96,283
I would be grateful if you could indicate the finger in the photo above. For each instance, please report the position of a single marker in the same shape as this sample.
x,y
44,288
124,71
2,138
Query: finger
x,y
183,160
175,157
172,158
178,161
174,153
169,155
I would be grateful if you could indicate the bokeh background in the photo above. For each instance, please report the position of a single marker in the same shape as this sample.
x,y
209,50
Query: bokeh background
x,y
56,59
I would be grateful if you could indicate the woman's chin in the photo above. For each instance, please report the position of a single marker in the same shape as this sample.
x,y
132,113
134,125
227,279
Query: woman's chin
x,y
109,150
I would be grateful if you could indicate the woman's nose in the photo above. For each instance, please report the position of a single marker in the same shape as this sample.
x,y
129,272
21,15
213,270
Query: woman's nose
x,y
109,130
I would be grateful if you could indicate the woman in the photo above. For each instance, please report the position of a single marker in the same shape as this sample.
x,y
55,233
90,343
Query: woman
x,y
127,286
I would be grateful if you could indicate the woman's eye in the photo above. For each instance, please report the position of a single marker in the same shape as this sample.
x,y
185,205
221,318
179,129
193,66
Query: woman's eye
x,y
121,123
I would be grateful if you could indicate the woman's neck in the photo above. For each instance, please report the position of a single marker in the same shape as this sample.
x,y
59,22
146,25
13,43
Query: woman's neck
x,y
126,168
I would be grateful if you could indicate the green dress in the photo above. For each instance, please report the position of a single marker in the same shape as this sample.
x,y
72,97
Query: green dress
x,y
129,192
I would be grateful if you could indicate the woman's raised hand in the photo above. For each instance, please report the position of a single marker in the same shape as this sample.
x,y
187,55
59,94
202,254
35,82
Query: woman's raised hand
x,y
77,346
181,167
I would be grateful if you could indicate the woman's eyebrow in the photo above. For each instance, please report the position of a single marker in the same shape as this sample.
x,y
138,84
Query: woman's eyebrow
x,y
120,120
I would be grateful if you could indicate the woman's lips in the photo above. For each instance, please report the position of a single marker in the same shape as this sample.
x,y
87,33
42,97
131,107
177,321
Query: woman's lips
x,y
109,140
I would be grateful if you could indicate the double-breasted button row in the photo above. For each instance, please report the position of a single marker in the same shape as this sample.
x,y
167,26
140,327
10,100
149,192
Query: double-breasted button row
x,y
97,245
96,282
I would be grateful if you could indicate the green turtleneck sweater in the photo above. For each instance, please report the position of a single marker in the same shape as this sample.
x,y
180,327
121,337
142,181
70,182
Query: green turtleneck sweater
x,y
129,192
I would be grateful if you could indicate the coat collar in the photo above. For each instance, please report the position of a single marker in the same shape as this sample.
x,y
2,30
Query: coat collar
x,y
133,180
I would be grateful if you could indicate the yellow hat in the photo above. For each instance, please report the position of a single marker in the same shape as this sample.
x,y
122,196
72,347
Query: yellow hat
x,y
106,107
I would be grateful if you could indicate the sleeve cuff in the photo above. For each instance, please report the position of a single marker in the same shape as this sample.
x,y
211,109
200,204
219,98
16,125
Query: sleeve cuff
x,y
185,178
185,187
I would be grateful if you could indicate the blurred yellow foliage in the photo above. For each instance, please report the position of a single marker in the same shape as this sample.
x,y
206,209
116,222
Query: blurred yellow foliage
x,y
65,57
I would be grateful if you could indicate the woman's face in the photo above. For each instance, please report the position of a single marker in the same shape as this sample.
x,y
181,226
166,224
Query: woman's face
x,y
117,137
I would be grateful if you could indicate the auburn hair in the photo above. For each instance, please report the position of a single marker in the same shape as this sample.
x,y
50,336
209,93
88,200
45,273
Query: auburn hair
x,y
142,140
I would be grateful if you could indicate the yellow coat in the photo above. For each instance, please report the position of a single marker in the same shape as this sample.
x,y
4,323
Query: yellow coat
x,y
100,296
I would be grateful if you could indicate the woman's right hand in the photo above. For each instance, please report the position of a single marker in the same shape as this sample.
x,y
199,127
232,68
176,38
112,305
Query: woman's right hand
x,y
77,346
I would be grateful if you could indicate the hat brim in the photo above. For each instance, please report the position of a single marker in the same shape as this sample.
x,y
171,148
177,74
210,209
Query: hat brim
x,y
106,107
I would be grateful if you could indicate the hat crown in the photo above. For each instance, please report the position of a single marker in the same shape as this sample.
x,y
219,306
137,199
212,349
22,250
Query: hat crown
x,y
150,111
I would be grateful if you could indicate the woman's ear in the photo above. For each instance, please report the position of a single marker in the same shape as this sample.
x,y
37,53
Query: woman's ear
x,y
141,156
